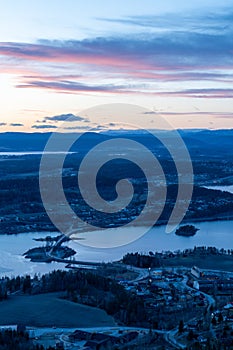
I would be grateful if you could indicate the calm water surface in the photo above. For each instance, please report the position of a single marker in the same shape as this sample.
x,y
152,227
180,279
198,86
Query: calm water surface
x,y
216,233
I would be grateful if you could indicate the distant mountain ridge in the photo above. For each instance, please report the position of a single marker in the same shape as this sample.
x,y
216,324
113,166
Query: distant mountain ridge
x,y
200,142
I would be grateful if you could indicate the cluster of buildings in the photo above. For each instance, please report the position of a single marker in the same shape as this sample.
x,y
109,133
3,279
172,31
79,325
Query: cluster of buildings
x,y
165,293
101,341
211,282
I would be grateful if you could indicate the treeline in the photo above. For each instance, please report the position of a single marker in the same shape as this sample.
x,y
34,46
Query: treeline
x,y
155,259
86,288
18,340
142,260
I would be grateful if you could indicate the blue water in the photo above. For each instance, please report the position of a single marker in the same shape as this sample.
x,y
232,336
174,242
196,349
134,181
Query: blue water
x,y
216,233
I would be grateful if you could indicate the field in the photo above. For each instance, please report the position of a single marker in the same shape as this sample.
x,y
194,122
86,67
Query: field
x,y
217,262
48,310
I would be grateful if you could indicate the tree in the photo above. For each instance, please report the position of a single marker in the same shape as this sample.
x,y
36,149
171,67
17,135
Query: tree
x,y
214,321
181,326
27,284
220,318
190,335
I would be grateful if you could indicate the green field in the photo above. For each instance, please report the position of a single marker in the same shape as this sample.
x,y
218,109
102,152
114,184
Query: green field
x,y
217,262
48,310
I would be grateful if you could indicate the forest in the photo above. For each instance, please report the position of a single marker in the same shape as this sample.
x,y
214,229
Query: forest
x,y
83,287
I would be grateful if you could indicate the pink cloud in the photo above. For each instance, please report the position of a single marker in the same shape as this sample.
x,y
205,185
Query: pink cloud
x,y
98,60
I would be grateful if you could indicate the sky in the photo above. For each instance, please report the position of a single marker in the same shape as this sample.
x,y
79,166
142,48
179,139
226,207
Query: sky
x,y
58,58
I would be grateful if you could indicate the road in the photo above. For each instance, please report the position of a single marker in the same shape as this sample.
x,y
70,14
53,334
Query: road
x,y
170,336
142,273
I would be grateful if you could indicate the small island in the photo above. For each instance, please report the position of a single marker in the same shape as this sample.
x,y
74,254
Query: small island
x,y
186,231
45,254
53,251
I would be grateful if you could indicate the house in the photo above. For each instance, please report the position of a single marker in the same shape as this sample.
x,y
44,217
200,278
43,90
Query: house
x,y
228,306
100,341
129,336
196,272
95,341
79,335
104,344
196,285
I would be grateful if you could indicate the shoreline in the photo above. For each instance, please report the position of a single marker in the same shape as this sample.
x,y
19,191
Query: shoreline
x,y
159,223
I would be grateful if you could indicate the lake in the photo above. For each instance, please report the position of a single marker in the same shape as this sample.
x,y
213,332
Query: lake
x,y
30,153
221,188
12,263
